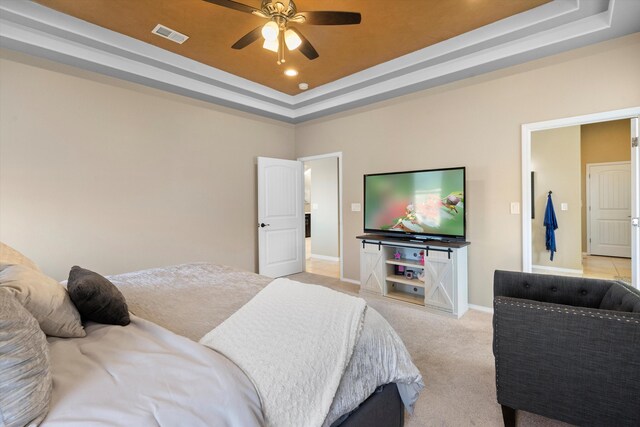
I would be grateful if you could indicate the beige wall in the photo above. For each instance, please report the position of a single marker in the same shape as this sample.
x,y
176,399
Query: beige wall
x,y
116,177
324,207
600,143
474,123
555,159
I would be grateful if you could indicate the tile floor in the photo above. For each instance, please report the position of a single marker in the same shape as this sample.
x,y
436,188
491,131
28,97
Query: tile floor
x,y
603,267
320,266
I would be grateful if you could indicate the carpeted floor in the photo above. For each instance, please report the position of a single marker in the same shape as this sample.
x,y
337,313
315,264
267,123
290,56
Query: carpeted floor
x,y
454,357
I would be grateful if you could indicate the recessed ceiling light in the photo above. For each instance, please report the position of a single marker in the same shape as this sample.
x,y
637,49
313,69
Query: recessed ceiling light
x,y
291,72
303,86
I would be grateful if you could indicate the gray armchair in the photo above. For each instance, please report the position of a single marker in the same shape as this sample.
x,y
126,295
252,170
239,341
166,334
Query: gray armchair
x,y
567,348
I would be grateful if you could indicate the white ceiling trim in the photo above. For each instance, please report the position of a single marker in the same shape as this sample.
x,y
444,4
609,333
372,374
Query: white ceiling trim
x,y
551,28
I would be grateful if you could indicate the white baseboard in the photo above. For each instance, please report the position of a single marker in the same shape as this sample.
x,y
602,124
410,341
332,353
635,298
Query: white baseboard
x,y
557,270
325,257
355,282
481,308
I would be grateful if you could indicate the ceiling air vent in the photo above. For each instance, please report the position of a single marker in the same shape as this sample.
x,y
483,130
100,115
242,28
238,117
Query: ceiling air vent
x,y
170,34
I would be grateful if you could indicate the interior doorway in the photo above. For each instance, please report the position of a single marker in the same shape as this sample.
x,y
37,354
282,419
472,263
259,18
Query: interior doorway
x,y
323,217
569,199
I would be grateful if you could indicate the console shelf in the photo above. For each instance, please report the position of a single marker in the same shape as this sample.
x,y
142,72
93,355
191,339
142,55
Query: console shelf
x,y
406,263
442,266
394,278
402,296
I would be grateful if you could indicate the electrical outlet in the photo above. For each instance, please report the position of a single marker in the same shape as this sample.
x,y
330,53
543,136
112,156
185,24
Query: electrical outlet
x,y
355,207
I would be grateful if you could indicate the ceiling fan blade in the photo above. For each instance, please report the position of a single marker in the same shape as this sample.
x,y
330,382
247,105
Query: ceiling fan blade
x,y
248,38
331,18
305,47
234,5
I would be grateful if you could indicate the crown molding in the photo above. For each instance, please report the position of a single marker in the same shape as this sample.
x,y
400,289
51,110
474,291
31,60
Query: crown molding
x,y
551,28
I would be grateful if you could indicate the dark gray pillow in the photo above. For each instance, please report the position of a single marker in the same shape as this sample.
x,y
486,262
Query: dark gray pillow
x,y
96,298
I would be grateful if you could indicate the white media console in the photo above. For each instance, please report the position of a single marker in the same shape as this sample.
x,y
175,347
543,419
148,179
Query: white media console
x,y
430,273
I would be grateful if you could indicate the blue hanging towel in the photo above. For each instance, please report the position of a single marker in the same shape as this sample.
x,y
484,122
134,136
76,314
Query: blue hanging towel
x,y
551,224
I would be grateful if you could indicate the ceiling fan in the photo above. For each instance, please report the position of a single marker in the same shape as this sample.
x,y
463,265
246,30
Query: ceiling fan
x,y
277,33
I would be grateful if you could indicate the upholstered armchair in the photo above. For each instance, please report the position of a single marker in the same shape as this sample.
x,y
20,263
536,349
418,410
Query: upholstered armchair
x,y
567,348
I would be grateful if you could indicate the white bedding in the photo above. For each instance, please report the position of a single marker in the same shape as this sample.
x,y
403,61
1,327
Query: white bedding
x,y
294,341
145,375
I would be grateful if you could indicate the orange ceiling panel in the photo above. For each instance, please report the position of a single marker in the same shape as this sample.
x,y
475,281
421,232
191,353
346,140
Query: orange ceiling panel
x,y
389,29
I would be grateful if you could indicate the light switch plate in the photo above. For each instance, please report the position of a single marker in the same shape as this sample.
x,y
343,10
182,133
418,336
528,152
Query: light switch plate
x,y
515,208
564,206
355,207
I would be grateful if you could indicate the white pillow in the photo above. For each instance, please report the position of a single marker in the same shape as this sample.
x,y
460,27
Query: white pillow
x,y
8,255
46,299
25,378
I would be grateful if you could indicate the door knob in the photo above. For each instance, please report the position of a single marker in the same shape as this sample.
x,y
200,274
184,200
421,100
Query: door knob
x,y
262,225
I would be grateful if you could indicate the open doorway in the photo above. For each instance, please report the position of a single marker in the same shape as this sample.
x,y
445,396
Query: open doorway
x,y
323,242
595,237
587,169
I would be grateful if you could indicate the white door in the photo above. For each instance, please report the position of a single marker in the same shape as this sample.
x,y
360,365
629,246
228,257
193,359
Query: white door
x,y
280,217
635,208
439,283
609,208
372,269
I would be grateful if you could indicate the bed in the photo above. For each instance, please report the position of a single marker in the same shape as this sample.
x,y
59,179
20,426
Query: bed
x,y
155,371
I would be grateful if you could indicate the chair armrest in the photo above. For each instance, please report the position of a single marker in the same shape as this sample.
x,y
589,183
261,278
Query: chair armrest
x,y
578,365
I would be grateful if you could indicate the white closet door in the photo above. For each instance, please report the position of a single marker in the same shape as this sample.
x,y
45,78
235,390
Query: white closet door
x,y
610,209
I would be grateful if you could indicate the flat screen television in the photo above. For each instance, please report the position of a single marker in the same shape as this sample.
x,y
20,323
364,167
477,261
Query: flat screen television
x,y
426,204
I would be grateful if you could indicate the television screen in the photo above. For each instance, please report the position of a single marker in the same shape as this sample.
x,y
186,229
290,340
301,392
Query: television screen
x,y
417,203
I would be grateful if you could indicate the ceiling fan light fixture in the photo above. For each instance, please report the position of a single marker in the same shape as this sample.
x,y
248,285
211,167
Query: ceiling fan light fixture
x,y
270,31
271,45
292,39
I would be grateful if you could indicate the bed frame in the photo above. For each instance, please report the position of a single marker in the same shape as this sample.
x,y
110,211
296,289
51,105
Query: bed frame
x,y
383,408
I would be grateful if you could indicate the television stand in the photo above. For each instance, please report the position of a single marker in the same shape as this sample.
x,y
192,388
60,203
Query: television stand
x,y
430,273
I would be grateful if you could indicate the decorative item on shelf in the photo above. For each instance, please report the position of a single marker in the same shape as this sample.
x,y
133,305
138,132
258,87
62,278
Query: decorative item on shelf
x,y
421,275
399,269
409,274
421,257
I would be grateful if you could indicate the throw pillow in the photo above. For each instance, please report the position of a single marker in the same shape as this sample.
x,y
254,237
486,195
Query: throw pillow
x,y
46,299
96,298
25,379
8,255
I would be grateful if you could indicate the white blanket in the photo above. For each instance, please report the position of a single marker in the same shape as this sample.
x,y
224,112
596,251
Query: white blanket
x,y
294,341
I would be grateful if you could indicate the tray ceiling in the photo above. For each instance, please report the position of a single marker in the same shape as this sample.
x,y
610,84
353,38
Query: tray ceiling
x,y
403,47
389,29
